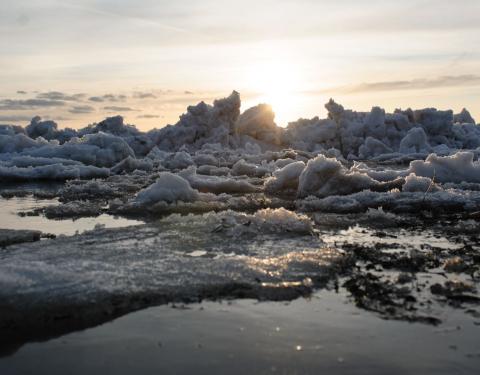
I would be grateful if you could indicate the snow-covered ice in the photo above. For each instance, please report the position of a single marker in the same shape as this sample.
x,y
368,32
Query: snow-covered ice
x,y
250,198
215,157
168,188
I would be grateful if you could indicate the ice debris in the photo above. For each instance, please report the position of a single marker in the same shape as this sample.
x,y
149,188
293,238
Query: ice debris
x,y
168,188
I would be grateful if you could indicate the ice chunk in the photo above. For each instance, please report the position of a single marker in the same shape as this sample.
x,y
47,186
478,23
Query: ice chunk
x,y
210,170
286,178
258,123
140,142
178,160
11,130
323,176
157,154
252,148
168,188
373,147
375,123
280,163
468,135
433,121
130,164
378,173
242,168
281,220
215,184
201,124
19,142
48,130
459,167
463,117
415,183
205,159
263,221
99,149
414,141
39,128
111,125
308,134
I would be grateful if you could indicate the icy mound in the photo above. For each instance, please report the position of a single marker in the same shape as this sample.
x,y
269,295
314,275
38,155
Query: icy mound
x,y
215,184
415,141
101,150
258,123
285,179
464,117
309,134
268,220
201,124
282,221
13,143
11,130
373,147
243,168
178,160
139,142
169,188
415,183
327,176
459,167
130,164
48,130
112,125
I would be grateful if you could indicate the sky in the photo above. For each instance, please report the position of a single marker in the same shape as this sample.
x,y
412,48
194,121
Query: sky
x,y
79,61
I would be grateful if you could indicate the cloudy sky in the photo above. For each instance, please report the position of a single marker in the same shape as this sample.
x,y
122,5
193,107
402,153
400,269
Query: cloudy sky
x,y
80,61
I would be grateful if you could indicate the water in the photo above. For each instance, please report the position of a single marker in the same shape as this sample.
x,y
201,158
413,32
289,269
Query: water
x,y
184,258
319,335
10,218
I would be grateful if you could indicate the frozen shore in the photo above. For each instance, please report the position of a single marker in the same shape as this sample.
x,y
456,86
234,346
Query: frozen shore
x,y
227,205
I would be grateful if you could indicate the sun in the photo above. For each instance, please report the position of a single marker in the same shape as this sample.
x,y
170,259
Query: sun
x,y
276,83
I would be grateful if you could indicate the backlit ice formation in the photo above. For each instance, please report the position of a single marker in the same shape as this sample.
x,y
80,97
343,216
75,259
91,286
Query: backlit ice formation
x,y
219,158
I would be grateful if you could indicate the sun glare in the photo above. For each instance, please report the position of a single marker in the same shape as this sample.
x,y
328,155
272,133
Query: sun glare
x,y
277,84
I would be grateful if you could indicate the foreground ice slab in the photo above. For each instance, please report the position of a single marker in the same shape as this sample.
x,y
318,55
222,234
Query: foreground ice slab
x,y
95,276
